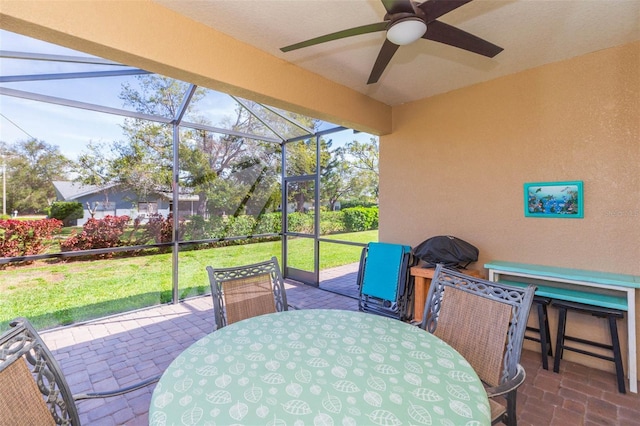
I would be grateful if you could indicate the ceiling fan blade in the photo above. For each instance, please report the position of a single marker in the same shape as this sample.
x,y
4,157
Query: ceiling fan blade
x,y
371,28
447,34
434,9
386,53
397,6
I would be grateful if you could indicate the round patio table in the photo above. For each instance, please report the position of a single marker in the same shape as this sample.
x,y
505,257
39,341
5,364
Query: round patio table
x,y
319,367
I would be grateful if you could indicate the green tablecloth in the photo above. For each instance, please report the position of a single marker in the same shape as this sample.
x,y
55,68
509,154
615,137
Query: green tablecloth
x,y
319,367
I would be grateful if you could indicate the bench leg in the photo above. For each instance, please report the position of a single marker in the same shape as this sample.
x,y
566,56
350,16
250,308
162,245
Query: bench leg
x,y
544,335
562,325
617,356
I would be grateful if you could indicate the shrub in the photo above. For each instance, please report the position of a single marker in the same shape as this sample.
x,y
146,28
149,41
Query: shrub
x,y
356,203
97,233
300,222
269,223
332,222
159,229
360,218
66,211
26,237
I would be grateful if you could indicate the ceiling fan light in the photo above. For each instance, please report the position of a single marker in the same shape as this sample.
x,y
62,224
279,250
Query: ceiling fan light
x,y
406,31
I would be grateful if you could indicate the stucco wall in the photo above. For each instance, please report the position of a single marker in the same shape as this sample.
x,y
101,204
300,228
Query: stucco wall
x,y
456,163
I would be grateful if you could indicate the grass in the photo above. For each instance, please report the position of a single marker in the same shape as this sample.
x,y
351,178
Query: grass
x,y
56,293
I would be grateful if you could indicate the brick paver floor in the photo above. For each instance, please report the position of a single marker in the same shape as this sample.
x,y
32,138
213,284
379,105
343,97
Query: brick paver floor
x,y
120,350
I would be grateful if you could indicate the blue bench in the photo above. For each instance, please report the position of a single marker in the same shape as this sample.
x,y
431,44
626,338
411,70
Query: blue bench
x,y
572,295
593,288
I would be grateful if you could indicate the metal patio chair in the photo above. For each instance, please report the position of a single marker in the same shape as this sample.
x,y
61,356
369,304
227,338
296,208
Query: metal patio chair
x,y
33,390
247,291
485,322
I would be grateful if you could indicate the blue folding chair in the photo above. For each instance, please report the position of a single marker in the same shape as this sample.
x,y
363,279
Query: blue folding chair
x,y
386,287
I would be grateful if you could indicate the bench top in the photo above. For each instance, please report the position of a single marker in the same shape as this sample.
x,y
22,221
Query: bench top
x,y
588,298
550,272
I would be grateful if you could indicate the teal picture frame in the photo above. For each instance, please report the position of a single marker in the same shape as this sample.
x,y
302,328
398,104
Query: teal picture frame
x,y
554,199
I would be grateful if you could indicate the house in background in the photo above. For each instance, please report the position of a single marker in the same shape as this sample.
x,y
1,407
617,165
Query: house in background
x,y
113,200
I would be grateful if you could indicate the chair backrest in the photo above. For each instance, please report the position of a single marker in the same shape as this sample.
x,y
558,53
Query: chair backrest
x,y
246,291
384,280
33,390
483,320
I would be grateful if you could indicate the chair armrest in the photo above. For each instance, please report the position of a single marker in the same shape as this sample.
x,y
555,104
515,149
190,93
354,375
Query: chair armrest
x,y
509,385
107,394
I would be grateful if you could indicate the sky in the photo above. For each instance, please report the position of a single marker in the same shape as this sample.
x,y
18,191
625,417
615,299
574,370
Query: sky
x,y
72,128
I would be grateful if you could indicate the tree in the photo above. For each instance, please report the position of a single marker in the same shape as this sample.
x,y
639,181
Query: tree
x,y
32,166
364,157
337,181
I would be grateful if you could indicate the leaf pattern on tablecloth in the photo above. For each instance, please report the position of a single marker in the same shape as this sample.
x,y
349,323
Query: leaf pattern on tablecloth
x,y
238,410
346,386
183,385
303,376
413,379
376,357
461,376
395,398
355,350
211,358
272,365
420,414
446,363
262,411
192,416
427,395
185,400
219,397
163,399
207,370
384,418
386,369
372,398
317,363
344,360
293,389
223,350
320,343
323,419
377,383
273,378
413,367
196,350
237,368
458,392
339,372
255,356
421,355
253,394
296,407
387,338
332,404
158,419
337,363
461,408
296,345
281,355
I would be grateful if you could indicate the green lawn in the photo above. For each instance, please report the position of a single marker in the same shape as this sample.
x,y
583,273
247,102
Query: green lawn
x,y
54,293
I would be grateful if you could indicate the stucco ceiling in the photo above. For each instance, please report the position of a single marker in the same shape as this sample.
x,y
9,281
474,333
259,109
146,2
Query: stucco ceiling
x,y
532,33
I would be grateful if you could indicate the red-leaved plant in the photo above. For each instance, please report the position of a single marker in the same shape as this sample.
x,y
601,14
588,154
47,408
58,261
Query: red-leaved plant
x,y
26,237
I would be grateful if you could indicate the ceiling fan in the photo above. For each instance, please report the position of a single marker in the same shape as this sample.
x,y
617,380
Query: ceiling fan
x,y
405,22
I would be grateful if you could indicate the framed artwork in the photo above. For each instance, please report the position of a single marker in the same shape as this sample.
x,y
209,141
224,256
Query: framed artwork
x,y
554,199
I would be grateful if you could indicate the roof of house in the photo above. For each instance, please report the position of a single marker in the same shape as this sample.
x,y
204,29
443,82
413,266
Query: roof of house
x,y
70,191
